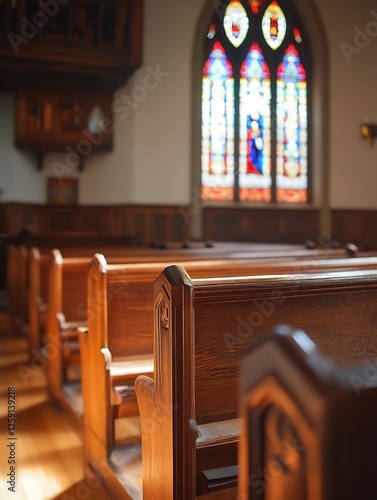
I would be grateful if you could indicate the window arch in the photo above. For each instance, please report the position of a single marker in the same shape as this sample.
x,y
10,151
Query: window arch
x,y
256,89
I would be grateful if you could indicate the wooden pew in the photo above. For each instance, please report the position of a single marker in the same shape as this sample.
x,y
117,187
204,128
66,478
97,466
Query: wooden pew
x,y
66,311
74,309
38,272
38,296
308,427
189,412
121,324
38,290
39,259
66,292
120,318
18,270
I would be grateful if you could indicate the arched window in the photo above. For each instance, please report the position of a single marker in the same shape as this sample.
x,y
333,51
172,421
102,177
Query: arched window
x,y
255,104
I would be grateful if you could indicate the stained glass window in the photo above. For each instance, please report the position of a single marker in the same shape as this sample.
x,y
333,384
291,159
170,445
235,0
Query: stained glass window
x,y
255,105
274,25
236,23
255,5
255,128
217,126
291,130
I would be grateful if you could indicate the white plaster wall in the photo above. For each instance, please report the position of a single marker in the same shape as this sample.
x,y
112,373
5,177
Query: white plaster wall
x,y
162,134
353,84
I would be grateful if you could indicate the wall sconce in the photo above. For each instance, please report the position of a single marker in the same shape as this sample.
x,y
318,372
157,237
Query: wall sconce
x,y
369,131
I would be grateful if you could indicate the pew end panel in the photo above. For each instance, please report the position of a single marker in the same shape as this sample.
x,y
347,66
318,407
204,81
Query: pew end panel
x,y
303,423
96,444
66,311
17,285
98,430
53,347
35,299
167,415
109,370
100,389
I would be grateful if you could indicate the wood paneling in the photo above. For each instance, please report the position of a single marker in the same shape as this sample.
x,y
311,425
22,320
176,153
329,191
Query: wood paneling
x,y
260,225
137,224
158,224
358,226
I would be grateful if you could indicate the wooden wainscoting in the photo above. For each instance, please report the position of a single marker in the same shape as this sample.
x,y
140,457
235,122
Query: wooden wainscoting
x,y
260,225
358,226
142,225
139,225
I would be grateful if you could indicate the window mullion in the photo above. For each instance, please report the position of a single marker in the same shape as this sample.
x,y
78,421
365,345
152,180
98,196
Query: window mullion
x,y
273,139
236,139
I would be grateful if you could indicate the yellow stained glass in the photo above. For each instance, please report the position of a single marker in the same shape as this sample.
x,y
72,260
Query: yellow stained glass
x,y
274,25
236,23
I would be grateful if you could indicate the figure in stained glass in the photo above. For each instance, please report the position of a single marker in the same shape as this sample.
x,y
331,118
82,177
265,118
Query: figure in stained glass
x,y
254,105
236,23
274,25
254,145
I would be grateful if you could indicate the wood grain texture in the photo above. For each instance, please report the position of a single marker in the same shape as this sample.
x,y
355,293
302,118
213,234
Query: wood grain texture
x,y
212,322
304,424
324,303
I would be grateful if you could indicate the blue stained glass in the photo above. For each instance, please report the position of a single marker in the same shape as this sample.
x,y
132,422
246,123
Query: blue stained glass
x,y
255,127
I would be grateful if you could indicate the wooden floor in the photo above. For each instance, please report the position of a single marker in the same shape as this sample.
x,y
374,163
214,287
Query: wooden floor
x,y
48,457
48,451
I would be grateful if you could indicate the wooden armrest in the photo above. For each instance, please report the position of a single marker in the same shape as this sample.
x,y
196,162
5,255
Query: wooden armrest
x,y
69,325
107,357
72,326
224,431
144,387
84,330
130,368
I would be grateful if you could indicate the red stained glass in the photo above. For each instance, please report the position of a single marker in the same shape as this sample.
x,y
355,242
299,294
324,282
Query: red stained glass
x,y
255,5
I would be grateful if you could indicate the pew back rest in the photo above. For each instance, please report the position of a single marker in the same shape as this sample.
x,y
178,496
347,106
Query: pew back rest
x,y
68,285
202,327
127,294
136,283
120,307
293,405
221,317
